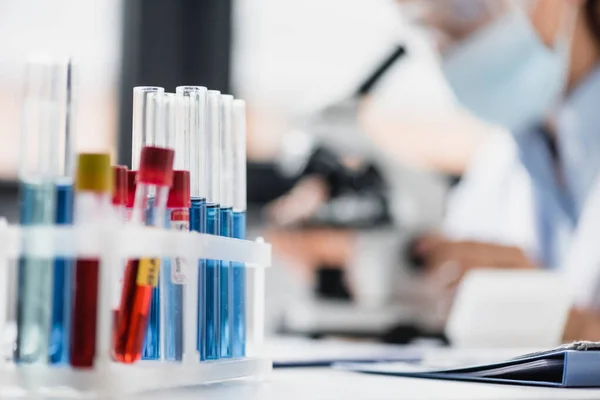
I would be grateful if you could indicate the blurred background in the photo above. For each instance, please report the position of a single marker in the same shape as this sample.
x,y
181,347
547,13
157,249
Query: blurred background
x,y
323,79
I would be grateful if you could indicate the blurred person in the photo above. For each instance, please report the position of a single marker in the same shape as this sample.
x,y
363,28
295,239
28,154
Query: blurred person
x,y
530,66
526,200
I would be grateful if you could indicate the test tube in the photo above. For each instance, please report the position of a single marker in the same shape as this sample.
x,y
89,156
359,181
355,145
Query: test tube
x,y
226,223
192,135
131,178
174,271
62,279
147,127
238,331
163,136
41,144
169,297
210,292
141,275
93,205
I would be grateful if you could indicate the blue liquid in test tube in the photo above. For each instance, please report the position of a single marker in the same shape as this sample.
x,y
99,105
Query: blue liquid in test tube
x,y
173,296
198,224
61,303
152,340
226,214
198,215
34,279
58,349
238,335
210,327
225,290
210,333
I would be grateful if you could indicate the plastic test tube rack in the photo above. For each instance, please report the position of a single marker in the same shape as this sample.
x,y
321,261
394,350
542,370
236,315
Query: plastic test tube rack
x,y
113,244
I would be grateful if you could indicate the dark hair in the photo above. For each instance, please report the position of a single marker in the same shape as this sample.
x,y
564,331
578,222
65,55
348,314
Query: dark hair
x,y
592,16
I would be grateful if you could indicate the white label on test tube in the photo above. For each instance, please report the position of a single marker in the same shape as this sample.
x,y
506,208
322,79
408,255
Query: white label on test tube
x,y
180,220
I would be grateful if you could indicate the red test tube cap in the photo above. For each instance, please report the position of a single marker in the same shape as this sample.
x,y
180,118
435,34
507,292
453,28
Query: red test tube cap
x,y
131,185
156,166
179,195
119,195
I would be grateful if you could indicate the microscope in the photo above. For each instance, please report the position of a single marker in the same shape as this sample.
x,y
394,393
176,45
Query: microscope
x,y
381,195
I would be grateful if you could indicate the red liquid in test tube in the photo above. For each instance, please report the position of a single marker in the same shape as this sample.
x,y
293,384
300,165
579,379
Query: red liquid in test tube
x,y
92,205
85,308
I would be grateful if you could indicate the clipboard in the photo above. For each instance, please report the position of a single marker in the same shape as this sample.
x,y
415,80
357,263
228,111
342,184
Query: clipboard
x,y
572,366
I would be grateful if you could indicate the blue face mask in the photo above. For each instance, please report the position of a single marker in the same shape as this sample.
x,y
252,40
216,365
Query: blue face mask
x,y
505,75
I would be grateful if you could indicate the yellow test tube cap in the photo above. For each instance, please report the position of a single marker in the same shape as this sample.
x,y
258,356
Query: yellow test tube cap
x,y
94,172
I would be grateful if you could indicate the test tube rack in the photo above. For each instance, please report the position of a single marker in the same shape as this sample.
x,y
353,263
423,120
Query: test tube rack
x,y
112,245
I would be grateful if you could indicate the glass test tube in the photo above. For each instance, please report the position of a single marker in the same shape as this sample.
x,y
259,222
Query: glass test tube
x,y
147,123
210,317
162,136
174,271
226,223
41,144
170,289
93,186
238,322
62,279
192,135
120,274
141,275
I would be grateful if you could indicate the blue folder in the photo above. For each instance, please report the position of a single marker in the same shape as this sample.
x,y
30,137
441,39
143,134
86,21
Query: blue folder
x,y
568,367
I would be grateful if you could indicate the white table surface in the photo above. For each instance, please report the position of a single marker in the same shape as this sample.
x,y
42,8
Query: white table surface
x,y
324,383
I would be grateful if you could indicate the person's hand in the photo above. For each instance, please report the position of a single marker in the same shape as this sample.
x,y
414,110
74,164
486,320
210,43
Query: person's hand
x,y
448,260
582,324
300,203
309,249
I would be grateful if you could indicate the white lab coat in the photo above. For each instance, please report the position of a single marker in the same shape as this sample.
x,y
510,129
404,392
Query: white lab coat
x,y
494,201
495,204
582,264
